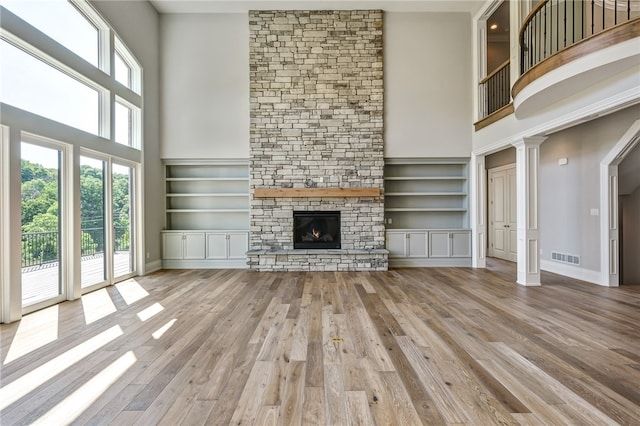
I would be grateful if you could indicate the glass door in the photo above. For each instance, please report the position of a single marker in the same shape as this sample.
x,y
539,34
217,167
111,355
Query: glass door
x,y
122,178
93,262
41,239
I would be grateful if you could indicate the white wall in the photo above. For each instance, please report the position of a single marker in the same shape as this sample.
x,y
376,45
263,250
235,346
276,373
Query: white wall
x,y
205,86
428,92
138,25
569,192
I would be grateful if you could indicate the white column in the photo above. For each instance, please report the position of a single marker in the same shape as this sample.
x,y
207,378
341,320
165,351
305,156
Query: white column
x,y
527,171
478,209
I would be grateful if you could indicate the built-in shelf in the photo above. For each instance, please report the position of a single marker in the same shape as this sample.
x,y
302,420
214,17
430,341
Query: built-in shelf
x,y
425,178
206,195
315,192
426,193
207,210
424,209
211,195
221,179
207,214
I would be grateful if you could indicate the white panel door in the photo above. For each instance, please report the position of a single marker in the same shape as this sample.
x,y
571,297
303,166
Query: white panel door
x,y
194,245
503,228
512,215
498,220
238,245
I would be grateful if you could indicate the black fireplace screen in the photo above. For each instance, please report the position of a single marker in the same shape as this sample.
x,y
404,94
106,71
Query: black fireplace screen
x,y
316,230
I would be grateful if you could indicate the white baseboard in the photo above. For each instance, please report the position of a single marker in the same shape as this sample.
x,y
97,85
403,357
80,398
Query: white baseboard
x,y
571,271
154,266
426,262
205,264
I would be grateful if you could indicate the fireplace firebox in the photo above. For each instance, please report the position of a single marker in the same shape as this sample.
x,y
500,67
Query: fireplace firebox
x,y
316,230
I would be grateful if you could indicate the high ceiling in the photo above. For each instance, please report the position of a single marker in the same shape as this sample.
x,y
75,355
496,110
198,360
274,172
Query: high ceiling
x,y
241,6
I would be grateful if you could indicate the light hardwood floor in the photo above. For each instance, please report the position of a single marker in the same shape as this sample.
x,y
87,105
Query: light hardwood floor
x,y
409,346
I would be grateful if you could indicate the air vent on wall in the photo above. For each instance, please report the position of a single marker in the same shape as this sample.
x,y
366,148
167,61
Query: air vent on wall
x,y
565,258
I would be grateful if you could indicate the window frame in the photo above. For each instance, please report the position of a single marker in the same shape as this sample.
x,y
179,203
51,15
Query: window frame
x,y
15,122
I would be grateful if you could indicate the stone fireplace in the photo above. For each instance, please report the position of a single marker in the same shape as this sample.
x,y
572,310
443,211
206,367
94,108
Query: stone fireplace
x,y
316,230
316,136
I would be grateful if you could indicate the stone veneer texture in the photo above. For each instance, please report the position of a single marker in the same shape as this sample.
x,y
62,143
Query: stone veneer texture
x,y
316,119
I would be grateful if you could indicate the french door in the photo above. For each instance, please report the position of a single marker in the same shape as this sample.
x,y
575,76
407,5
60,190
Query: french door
x,y
43,230
107,223
122,207
93,220
61,258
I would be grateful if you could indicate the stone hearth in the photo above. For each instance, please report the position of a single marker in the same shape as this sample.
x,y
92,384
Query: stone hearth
x,y
316,121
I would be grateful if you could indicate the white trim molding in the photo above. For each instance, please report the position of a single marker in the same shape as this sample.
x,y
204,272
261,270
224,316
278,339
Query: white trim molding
x,y
609,227
477,209
571,271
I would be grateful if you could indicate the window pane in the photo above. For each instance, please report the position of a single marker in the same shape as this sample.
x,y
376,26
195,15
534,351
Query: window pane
x,y
60,21
35,86
123,124
41,235
123,72
92,264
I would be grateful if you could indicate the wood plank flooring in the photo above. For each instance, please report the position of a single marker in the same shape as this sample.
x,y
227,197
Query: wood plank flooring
x,y
405,347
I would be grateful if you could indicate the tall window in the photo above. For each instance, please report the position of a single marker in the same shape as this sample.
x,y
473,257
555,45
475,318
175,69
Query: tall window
x,y
61,21
70,96
33,85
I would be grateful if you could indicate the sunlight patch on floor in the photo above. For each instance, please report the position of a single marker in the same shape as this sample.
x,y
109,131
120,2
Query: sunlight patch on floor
x,y
72,406
149,312
159,332
35,331
27,383
97,305
131,291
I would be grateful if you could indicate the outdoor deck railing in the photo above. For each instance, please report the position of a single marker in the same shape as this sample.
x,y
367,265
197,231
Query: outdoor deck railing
x,y
41,248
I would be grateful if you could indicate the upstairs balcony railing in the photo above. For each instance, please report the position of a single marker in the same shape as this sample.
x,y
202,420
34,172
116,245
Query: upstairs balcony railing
x,y
495,90
554,25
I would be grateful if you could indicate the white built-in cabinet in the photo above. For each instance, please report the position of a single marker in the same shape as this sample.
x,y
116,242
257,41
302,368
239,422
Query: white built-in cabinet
x,y
426,212
183,245
207,214
227,245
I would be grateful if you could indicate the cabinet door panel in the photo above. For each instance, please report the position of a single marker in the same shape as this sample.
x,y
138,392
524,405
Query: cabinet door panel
x,y
417,242
172,246
216,246
238,245
194,245
439,244
396,244
460,244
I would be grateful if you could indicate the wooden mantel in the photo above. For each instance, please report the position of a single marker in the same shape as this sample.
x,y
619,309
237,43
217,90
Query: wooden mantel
x,y
315,192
